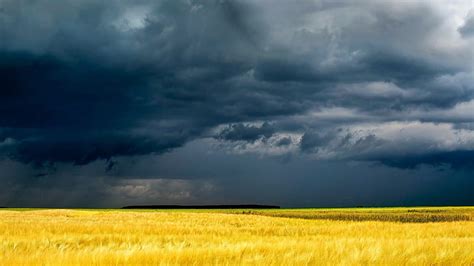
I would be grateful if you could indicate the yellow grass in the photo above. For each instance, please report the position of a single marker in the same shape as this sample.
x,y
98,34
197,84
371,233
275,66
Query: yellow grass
x,y
88,237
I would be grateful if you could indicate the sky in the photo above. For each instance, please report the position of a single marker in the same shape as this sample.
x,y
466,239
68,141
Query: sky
x,y
307,103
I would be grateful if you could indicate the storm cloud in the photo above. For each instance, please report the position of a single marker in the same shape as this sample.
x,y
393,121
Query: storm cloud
x,y
384,82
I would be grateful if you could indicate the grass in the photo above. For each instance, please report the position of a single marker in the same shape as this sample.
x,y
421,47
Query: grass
x,y
404,215
393,236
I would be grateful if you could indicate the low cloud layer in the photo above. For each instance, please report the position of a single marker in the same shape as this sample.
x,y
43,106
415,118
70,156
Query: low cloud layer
x,y
388,82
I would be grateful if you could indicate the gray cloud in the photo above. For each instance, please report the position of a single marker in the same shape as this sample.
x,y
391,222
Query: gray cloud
x,y
250,133
467,30
87,82
213,176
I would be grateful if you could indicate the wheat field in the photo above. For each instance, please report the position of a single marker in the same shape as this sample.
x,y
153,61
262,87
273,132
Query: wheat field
x,y
434,236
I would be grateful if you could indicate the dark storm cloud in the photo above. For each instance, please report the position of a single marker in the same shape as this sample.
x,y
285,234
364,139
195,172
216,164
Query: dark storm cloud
x,y
455,159
284,142
93,90
92,80
467,30
248,133
312,140
85,148
219,177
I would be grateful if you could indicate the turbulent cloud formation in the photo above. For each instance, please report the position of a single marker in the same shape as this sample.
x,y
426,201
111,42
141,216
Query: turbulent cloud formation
x,y
247,133
467,29
367,81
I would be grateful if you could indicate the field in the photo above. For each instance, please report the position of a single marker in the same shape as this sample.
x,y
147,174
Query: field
x,y
388,236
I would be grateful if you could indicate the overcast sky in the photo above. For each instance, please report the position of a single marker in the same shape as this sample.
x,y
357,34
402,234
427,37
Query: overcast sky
x,y
296,103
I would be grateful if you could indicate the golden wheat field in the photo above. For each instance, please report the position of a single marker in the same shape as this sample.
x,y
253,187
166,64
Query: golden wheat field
x,y
392,236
